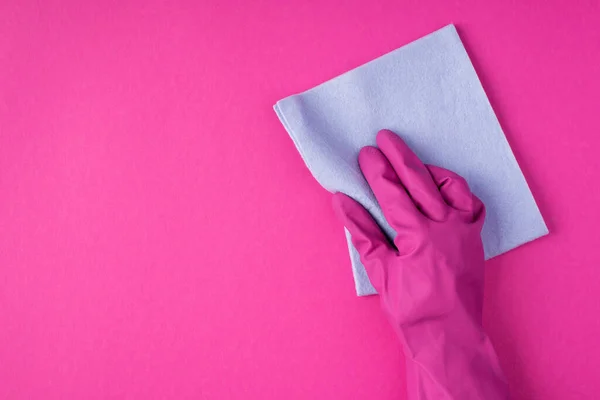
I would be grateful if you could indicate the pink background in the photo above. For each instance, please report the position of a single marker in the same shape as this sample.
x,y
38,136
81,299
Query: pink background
x,y
160,237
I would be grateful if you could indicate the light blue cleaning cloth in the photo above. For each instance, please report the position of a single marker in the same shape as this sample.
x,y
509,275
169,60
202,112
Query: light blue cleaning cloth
x,y
429,94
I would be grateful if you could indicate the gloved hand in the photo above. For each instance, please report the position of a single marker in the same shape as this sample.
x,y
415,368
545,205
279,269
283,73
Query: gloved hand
x,y
430,280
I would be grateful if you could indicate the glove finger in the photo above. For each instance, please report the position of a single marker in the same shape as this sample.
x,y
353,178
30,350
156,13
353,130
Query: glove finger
x,y
455,191
453,188
367,237
399,210
478,211
413,174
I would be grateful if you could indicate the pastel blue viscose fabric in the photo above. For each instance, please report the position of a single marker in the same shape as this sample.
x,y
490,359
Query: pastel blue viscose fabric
x,y
429,94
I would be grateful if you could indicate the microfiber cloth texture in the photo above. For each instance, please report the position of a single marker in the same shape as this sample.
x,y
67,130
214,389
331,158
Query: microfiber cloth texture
x,y
429,94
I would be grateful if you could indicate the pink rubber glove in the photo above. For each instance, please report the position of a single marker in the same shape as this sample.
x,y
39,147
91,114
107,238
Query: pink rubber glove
x,y
431,282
